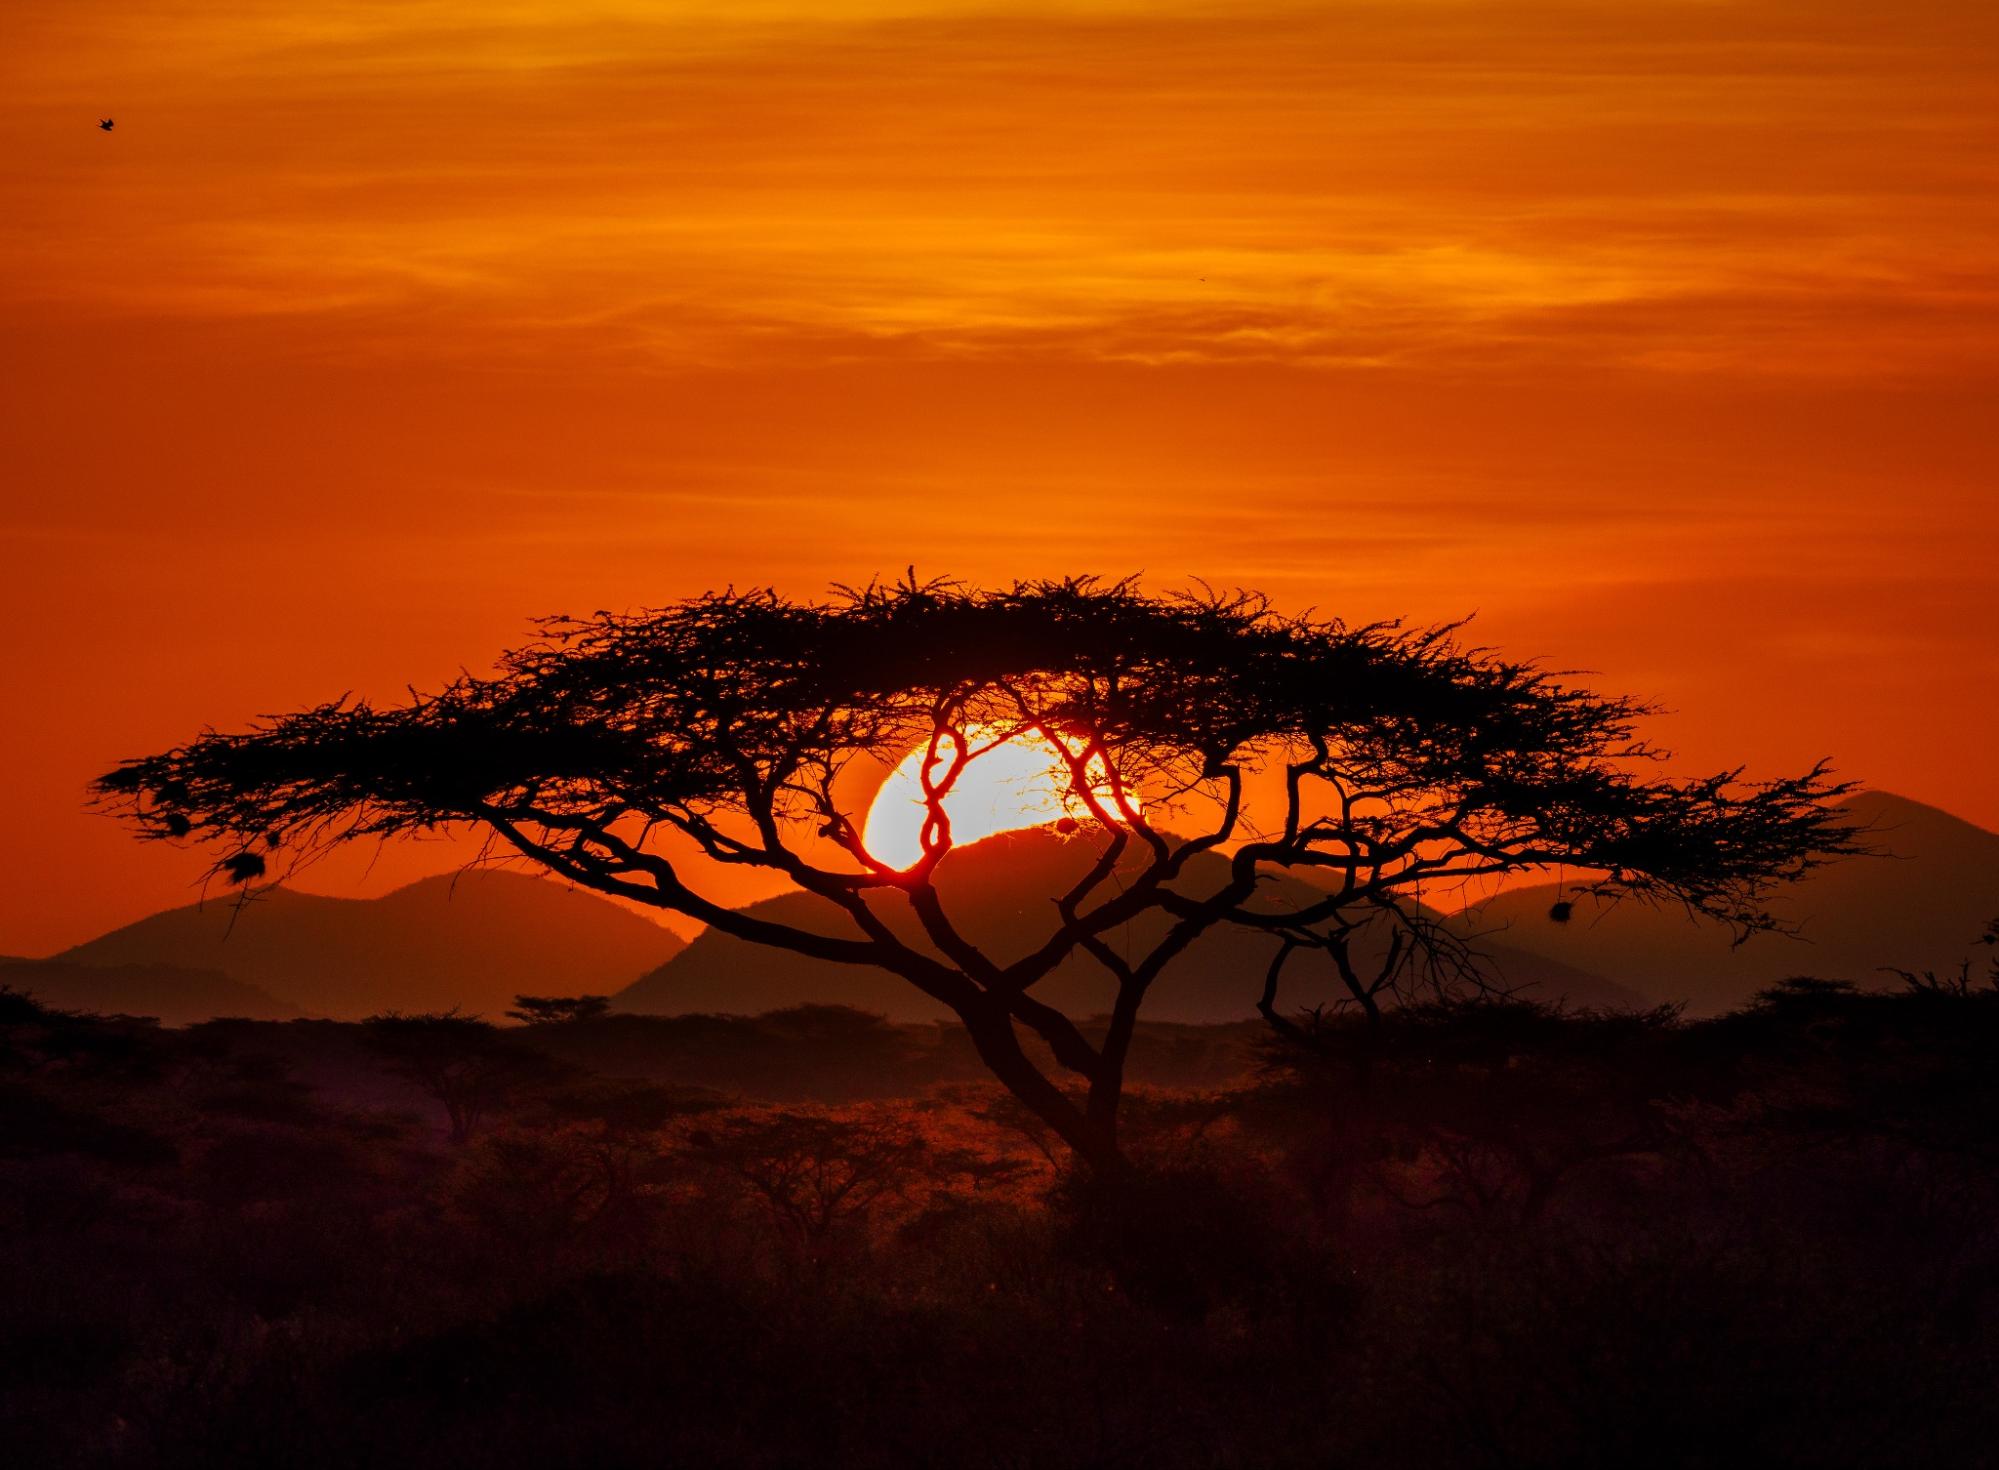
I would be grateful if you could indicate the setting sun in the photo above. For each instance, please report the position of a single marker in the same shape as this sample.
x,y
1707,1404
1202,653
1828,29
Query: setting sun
x,y
1020,782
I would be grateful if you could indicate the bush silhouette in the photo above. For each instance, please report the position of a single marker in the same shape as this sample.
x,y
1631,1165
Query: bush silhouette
x,y
1799,1272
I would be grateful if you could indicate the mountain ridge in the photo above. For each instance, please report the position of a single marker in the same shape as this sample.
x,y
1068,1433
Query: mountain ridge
x,y
170,994
476,938
471,940
1921,905
996,885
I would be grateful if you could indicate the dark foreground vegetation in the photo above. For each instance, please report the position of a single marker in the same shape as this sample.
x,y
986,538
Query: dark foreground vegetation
x,y
1478,1235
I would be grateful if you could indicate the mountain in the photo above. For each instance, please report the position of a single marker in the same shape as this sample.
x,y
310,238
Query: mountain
x,y
472,940
170,994
1001,894
1921,907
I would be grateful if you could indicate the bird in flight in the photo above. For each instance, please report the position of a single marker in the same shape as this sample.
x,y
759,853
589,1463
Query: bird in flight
x,y
107,123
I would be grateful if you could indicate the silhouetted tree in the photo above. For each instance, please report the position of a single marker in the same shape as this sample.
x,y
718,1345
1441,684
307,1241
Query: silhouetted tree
x,y
460,1060
813,1171
1406,760
556,1010
1959,982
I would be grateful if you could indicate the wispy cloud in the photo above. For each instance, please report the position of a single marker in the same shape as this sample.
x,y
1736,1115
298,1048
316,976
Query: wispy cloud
x,y
1756,186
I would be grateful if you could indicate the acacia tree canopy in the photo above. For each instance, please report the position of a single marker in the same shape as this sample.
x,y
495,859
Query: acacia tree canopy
x,y
1406,758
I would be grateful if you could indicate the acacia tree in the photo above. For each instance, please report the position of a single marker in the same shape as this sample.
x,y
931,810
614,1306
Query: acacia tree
x,y
558,1010
461,1061
815,1172
722,726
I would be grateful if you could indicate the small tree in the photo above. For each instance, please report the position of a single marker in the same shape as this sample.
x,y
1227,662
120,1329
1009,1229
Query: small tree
x,y
813,1171
727,722
1959,983
461,1061
558,1010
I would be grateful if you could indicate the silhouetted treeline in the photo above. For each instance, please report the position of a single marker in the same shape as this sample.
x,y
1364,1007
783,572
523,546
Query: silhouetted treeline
x,y
1483,1234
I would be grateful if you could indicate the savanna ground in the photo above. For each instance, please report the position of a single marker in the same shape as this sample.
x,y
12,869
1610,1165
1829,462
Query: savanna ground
x,y
1484,1235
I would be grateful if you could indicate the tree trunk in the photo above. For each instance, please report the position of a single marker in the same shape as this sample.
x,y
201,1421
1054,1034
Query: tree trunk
x,y
999,1048
1107,1085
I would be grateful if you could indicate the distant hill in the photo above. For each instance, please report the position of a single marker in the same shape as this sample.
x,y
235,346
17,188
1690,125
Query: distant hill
x,y
1921,908
473,940
1001,893
170,994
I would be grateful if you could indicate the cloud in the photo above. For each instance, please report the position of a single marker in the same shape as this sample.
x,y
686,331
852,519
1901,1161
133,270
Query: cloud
x,y
1749,187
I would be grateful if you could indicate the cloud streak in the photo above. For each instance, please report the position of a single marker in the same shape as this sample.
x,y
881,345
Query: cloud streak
x,y
1340,186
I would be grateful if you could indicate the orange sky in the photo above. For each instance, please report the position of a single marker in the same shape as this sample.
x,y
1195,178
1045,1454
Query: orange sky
x,y
1661,333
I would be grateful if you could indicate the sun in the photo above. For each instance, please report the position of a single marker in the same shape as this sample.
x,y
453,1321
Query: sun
x,y
1020,782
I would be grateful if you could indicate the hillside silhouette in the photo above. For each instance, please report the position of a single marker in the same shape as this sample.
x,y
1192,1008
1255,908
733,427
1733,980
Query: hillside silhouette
x,y
475,939
169,993
471,940
1920,907
1001,893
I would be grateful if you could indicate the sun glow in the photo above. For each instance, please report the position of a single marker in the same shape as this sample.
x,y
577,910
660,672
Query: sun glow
x,y
1020,782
